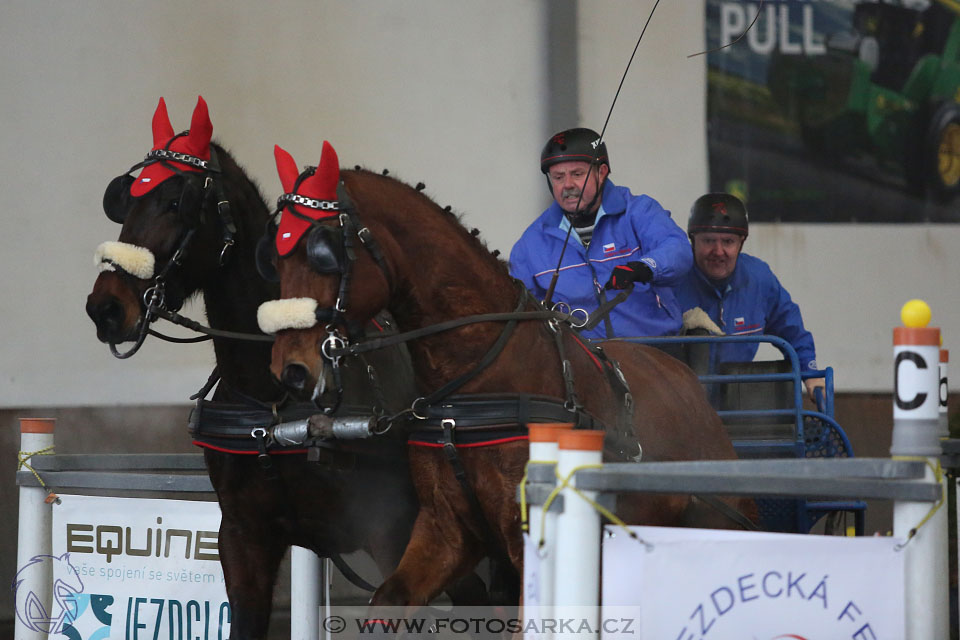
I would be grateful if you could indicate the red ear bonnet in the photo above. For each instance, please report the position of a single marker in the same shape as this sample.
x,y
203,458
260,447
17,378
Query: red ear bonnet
x,y
322,185
195,143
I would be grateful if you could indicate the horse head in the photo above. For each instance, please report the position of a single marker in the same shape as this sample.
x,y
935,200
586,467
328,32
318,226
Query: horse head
x,y
173,228
330,283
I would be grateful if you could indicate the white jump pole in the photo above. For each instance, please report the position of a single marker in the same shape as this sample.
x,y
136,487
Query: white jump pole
x,y
916,410
539,576
35,521
305,577
576,584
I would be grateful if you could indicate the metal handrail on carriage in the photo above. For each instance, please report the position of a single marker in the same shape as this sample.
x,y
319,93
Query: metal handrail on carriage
x,y
829,441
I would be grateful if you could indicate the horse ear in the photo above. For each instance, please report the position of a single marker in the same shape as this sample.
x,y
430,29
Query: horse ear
x,y
286,167
201,129
328,172
162,129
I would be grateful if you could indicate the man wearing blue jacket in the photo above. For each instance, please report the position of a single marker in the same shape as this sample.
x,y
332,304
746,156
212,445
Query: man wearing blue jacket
x,y
738,291
617,238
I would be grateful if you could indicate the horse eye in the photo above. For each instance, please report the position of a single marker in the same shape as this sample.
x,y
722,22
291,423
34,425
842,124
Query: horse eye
x,y
173,205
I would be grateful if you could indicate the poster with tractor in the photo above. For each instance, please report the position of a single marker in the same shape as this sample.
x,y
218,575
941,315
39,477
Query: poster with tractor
x,y
836,110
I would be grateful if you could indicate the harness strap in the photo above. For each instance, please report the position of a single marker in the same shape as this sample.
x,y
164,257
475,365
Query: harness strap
x,y
604,309
349,573
456,465
572,402
366,237
484,362
440,327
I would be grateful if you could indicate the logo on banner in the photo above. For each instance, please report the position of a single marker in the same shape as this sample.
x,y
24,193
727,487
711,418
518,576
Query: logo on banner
x,y
30,584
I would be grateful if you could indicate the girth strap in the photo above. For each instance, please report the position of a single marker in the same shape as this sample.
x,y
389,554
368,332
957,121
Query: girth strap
x,y
478,410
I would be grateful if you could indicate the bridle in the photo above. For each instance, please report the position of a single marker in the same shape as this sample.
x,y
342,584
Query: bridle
x,y
331,249
115,204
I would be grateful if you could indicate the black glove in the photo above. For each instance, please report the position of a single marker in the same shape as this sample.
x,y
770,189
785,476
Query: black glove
x,y
624,274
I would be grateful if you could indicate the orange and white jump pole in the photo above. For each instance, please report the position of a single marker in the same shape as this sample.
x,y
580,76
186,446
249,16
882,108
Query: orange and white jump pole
x,y
538,585
916,435
35,522
576,585
944,392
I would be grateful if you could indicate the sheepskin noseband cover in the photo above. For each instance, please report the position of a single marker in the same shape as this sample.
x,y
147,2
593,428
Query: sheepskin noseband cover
x,y
137,261
289,313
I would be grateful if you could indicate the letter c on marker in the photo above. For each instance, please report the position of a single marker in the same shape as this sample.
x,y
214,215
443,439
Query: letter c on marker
x,y
918,399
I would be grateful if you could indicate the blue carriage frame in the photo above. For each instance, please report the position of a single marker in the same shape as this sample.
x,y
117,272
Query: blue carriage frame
x,y
815,434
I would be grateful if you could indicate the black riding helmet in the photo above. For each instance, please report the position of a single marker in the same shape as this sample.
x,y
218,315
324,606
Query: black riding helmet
x,y
719,213
574,145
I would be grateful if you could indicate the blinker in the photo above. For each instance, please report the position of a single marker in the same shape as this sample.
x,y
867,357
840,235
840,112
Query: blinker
x,y
265,256
325,249
116,198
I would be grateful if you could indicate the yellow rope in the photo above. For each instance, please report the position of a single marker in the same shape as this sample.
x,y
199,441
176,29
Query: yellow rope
x,y
564,483
23,458
938,476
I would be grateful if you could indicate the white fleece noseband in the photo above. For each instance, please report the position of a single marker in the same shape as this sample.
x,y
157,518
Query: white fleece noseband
x,y
136,261
289,313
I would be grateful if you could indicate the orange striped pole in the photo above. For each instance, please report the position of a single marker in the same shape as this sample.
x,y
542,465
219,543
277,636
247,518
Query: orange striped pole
x,y
34,532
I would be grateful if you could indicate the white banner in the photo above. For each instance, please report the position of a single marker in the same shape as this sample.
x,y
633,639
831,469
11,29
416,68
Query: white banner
x,y
138,569
690,584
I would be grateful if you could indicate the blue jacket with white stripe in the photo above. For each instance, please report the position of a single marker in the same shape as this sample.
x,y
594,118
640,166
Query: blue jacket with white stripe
x,y
752,302
628,228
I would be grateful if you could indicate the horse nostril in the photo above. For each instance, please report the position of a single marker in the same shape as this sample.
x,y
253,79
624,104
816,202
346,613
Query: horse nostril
x,y
295,376
107,315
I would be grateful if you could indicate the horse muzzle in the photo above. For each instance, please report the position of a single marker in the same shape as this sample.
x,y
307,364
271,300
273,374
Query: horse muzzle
x,y
115,317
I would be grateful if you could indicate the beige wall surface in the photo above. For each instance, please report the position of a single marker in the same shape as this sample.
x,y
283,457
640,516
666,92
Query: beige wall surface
x,y
450,94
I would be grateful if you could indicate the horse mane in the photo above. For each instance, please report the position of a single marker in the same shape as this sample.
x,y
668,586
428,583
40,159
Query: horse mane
x,y
445,217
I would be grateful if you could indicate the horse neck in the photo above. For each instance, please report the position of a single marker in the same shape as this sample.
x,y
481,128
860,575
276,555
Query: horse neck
x,y
233,293
442,273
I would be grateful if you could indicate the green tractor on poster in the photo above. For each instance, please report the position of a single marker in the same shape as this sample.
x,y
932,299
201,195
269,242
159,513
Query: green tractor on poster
x,y
888,88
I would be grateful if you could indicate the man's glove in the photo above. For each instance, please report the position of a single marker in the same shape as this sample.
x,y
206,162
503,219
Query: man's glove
x,y
624,274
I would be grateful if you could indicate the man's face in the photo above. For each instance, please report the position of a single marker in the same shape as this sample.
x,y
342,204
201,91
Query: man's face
x,y
716,253
570,186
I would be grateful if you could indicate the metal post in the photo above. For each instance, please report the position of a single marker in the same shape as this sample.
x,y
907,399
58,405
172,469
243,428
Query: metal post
x,y
577,578
34,530
304,594
915,435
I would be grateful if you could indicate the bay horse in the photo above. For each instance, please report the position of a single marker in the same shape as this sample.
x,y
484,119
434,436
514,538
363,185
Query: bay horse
x,y
175,224
458,305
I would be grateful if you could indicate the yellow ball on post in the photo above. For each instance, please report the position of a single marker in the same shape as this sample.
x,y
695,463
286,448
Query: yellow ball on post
x,y
915,314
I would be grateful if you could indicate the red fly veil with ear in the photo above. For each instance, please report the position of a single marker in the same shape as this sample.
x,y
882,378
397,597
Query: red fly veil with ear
x,y
322,185
195,143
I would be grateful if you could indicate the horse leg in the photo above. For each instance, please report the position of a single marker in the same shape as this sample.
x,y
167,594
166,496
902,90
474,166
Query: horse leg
x,y
250,566
435,557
